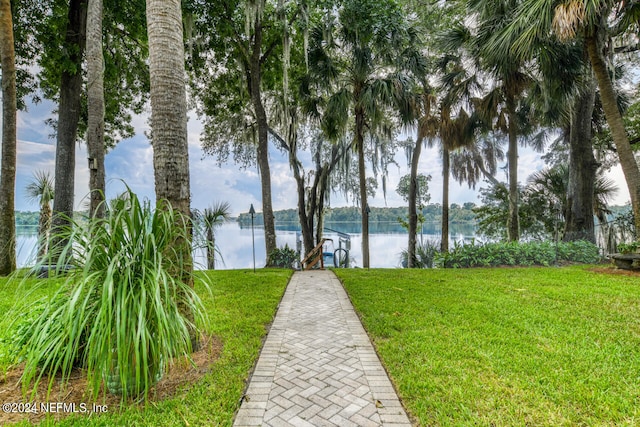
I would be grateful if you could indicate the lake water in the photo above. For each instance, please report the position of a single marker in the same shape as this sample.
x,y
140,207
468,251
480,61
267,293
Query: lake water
x,y
235,244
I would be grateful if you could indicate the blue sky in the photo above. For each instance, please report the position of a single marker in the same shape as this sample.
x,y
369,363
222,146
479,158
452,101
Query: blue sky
x,y
132,162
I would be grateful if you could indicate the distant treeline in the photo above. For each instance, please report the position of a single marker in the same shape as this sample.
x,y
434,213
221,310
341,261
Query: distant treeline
x,y
27,219
458,214
288,218
30,219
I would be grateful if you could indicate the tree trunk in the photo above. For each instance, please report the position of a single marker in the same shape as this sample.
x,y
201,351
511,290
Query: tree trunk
x,y
618,133
359,115
444,242
96,108
303,216
263,141
168,104
8,162
169,126
44,222
579,223
319,213
321,186
413,214
211,250
68,116
513,220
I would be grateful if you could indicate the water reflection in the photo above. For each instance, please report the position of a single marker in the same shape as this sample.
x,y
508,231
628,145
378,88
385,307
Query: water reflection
x,y
26,245
234,244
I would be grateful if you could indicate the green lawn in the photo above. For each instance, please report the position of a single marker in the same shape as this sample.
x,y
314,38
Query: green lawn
x,y
240,305
506,347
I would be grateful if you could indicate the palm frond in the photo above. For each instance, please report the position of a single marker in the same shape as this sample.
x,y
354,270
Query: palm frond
x,y
41,188
215,215
567,19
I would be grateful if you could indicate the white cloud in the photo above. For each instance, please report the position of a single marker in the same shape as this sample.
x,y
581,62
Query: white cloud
x,y
622,197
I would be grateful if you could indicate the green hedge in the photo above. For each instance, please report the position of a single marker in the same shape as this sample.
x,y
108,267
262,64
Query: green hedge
x,y
282,257
513,253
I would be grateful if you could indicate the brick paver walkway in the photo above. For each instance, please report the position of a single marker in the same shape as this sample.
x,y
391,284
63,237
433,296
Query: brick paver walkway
x,y
317,366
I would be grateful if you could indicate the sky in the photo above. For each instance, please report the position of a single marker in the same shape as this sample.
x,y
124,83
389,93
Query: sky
x,y
131,161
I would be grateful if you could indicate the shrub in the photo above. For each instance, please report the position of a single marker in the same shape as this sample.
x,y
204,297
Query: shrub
x,y
282,257
426,254
120,313
627,248
579,251
514,253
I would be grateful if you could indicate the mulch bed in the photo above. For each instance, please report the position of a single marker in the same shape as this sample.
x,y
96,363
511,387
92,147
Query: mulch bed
x,y
75,397
615,271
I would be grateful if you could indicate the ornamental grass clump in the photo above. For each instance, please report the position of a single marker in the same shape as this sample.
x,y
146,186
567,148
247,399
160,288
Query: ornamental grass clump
x,y
123,311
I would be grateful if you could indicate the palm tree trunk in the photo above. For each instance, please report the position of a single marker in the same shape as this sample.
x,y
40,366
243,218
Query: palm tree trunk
x,y
96,108
444,242
579,224
413,193
169,125
168,104
68,117
513,220
211,247
8,162
614,119
44,223
359,115
263,141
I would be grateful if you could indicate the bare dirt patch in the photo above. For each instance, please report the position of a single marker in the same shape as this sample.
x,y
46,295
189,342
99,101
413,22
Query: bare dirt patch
x,y
615,271
73,397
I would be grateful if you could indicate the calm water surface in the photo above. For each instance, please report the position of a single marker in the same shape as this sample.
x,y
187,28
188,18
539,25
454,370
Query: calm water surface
x,y
235,245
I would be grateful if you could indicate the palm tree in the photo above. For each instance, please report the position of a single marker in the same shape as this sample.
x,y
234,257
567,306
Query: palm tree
x,y
554,183
168,105
96,108
502,104
169,128
8,162
362,58
566,100
451,133
213,217
426,125
478,161
41,190
596,23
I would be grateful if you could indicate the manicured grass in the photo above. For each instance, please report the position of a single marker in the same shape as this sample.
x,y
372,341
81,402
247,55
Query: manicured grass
x,y
240,305
16,295
506,347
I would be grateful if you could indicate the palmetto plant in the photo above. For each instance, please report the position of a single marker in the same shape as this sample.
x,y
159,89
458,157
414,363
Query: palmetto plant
x,y
213,217
120,311
41,190
553,183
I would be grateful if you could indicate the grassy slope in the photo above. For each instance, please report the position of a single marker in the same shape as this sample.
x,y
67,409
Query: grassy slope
x,y
506,347
241,303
